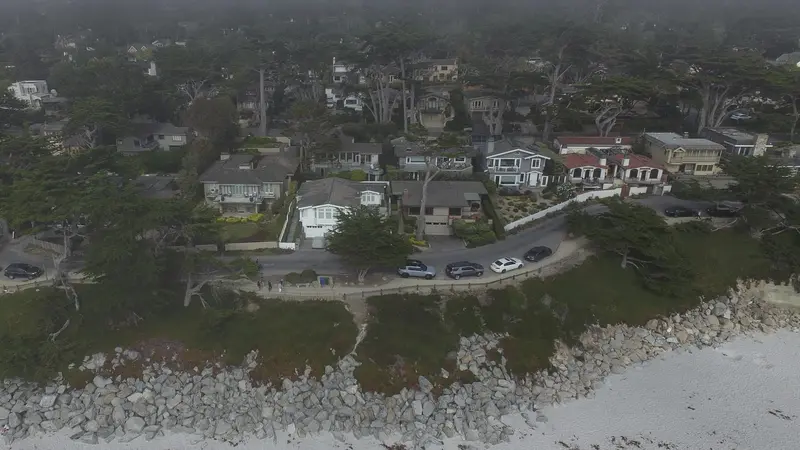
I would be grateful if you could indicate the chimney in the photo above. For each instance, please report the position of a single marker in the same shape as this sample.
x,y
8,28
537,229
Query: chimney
x,y
626,161
603,160
686,135
224,156
490,146
760,146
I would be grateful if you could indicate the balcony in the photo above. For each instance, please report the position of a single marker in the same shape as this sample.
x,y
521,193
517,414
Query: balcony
x,y
505,169
694,159
454,166
337,166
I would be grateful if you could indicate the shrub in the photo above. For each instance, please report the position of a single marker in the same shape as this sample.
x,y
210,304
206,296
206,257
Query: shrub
x,y
475,234
416,242
358,175
306,276
258,217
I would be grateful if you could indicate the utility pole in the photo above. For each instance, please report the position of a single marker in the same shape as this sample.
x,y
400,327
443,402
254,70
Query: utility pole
x,y
405,107
262,124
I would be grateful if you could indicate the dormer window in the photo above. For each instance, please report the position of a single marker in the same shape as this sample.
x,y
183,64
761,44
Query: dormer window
x,y
408,149
370,198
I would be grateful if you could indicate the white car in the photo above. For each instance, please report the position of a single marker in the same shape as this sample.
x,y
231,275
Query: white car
x,y
504,265
741,116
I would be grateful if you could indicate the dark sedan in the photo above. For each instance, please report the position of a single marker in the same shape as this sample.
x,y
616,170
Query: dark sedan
x,y
681,211
723,210
22,270
537,254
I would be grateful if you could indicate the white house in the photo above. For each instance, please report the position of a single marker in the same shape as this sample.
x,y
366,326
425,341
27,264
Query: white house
x,y
580,144
30,91
517,167
319,202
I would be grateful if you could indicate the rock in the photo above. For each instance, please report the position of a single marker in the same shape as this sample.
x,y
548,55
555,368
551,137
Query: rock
x,y
4,413
91,426
417,406
118,415
424,385
14,420
222,428
134,425
101,382
712,321
89,438
652,324
428,408
48,401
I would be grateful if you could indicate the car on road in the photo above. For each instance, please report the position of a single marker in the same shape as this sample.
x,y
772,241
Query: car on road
x,y
681,211
723,210
416,270
460,269
538,253
22,270
741,116
504,265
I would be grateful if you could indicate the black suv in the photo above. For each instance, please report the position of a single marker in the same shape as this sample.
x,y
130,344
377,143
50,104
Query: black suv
x,y
22,270
460,269
723,210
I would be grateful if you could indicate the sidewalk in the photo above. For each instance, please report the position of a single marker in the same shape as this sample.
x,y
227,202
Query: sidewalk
x,y
563,253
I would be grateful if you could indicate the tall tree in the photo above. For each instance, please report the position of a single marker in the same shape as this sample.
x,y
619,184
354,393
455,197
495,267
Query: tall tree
x,y
213,119
640,238
606,99
722,79
363,238
784,83
91,118
313,125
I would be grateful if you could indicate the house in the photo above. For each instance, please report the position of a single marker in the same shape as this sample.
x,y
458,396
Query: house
x,y
445,202
345,73
511,164
412,159
632,168
788,59
737,142
353,102
319,202
787,157
54,130
148,136
30,91
479,101
589,170
436,70
579,144
157,186
682,154
54,106
350,156
243,184
161,43
433,109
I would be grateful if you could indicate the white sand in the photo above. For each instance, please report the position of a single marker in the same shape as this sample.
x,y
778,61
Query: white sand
x,y
745,395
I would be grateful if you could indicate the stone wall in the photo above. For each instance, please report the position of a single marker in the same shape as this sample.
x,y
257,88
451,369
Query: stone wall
x,y
223,404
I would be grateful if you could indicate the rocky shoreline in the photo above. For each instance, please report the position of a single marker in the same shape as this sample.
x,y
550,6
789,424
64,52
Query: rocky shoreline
x,y
225,405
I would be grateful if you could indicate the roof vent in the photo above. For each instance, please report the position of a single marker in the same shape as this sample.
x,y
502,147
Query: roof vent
x,y
686,135
618,140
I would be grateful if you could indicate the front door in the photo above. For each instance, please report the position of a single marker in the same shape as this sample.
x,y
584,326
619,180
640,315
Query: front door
x,y
533,179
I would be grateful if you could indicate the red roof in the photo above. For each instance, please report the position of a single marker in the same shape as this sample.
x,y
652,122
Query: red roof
x,y
575,160
588,141
637,161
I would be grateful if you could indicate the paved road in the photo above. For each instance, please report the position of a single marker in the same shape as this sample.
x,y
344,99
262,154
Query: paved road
x,y
549,233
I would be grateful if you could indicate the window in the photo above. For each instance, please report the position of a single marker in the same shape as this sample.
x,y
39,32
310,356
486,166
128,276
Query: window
x,y
268,187
161,136
444,67
428,211
477,104
703,168
536,163
454,211
461,159
137,143
370,198
337,79
415,160
326,213
176,138
413,210
496,104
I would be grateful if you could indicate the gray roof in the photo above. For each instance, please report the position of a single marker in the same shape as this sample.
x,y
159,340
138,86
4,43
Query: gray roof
x,y
732,135
144,129
450,194
367,148
157,186
673,140
403,148
334,191
273,168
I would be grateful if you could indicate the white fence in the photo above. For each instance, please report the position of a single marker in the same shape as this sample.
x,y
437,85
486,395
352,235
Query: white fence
x,y
636,190
580,198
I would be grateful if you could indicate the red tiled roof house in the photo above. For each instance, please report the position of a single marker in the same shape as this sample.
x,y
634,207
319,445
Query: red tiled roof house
x,y
580,144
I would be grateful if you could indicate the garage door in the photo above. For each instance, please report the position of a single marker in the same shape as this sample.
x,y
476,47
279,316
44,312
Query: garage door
x,y
437,229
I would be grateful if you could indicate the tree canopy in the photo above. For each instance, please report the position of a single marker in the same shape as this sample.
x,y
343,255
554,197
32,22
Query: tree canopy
x,y
363,238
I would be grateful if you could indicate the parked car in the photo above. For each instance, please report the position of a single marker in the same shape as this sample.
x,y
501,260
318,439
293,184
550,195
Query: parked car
x,y
741,116
537,254
503,265
681,211
22,270
723,210
460,269
416,270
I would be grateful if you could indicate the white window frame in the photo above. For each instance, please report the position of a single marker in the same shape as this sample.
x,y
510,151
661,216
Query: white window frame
x,y
370,198
177,138
416,159
476,104
328,213
536,163
460,159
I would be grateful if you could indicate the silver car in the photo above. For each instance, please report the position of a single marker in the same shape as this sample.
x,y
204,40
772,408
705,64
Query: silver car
x,y
417,270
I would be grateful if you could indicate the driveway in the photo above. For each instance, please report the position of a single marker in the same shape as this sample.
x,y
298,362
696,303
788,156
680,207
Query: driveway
x,y
550,233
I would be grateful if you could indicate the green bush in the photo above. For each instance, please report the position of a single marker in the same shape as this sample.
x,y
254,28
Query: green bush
x,y
306,276
475,234
498,224
358,175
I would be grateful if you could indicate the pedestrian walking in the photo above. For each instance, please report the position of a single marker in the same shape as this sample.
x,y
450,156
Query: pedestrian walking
x,y
260,284
280,285
269,286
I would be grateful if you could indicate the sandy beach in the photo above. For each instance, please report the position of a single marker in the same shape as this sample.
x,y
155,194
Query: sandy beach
x,y
743,395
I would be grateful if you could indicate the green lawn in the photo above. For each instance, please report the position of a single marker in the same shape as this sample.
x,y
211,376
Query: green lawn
x,y
420,333
288,335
